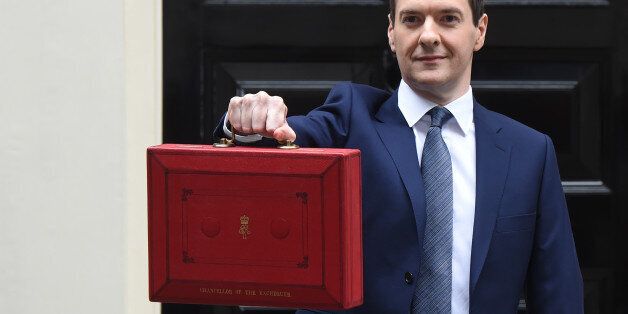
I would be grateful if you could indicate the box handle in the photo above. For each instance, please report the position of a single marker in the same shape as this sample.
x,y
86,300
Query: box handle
x,y
287,145
225,142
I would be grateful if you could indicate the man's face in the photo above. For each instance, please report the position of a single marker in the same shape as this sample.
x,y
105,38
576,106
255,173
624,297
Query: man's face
x,y
434,41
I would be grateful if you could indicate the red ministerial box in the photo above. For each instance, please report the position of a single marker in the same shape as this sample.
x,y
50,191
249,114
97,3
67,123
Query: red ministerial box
x,y
255,226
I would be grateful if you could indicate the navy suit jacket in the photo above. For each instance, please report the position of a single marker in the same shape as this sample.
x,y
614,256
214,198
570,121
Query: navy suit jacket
x,y
522,238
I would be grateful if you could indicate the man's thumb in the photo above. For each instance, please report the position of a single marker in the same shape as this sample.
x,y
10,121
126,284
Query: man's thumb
x,y
284,132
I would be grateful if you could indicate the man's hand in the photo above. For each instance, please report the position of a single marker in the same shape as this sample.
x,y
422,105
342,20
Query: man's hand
x,y
260,114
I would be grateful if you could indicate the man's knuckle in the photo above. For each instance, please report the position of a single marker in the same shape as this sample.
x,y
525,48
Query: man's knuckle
x,y
247,99
277,102
276,105
234,104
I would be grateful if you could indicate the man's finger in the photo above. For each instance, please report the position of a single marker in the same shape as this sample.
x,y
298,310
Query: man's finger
x,y
246,114
233,113
258,116
285,132
277,112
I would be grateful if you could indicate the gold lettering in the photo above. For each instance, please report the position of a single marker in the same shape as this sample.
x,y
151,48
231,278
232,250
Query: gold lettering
x,y
225,291
216,291
273,293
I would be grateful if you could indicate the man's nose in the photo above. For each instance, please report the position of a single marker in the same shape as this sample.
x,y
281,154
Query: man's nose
x,y
430,37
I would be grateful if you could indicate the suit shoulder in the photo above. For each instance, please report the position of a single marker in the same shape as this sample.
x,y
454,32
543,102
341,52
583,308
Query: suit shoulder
x,y
364,100
359,92
517,131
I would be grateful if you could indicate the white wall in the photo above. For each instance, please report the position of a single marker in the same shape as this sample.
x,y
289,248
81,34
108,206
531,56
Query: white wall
x,y
143,123
79,102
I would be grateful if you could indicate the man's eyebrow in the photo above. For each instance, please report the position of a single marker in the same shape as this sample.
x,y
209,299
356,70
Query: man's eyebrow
x,y
408,12
446,10
450,10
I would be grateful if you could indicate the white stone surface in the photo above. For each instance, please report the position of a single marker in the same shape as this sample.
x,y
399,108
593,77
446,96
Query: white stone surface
x,y
78,107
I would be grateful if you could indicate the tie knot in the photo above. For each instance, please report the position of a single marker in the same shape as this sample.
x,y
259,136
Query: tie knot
x,y
439,115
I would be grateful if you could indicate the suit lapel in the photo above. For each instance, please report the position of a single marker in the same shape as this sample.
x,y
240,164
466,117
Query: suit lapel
x,y
492,160
398,138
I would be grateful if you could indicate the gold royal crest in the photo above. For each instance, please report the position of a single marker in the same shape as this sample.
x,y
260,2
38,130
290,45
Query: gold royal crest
x,y
244,226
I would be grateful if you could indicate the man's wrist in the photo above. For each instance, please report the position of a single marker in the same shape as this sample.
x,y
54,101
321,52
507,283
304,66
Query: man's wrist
x,y
239,138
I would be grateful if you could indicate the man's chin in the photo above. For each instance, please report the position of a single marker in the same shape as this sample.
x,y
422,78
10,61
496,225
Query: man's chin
x,y
427,82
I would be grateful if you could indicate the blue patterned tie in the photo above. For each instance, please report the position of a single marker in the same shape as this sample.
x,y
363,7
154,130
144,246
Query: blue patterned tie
x,y
433,290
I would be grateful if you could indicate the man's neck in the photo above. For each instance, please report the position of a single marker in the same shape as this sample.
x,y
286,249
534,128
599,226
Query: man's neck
x,y
441,95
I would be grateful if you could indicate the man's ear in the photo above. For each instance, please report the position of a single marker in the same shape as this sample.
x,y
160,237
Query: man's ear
x,y
481,32
391,37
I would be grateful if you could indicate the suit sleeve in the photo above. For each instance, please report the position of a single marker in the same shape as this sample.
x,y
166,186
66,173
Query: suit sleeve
x,y
327,125
218,130
554,283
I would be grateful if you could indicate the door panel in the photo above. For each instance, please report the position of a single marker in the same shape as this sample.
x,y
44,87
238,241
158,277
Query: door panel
x,y
556,65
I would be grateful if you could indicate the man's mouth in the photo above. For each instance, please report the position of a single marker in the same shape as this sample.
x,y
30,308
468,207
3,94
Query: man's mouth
x,y
430,58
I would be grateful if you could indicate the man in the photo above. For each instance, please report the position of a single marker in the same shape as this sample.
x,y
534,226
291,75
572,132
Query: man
x,y
463,208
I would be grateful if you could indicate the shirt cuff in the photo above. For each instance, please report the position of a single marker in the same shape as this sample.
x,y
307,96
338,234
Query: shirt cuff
x,y
240,138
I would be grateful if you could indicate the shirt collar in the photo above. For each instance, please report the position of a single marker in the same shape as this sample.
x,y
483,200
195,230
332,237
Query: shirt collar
x,y
414,107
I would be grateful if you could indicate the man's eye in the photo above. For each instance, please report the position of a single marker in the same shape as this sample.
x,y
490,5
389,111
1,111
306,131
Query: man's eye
x,y
450,19
409,19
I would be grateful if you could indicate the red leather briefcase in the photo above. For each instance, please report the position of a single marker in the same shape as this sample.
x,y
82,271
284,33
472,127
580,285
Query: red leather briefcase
x,y
255,226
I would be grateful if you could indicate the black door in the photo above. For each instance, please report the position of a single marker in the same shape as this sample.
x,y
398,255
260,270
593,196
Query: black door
x,y
560,66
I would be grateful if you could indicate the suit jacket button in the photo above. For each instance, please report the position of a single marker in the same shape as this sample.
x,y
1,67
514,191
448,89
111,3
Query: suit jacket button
x,y
408,277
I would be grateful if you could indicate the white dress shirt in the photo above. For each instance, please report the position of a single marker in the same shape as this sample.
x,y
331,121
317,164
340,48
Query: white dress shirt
x,y
459,136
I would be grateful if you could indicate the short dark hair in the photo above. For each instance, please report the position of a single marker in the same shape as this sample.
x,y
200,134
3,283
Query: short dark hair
x,y
477,8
